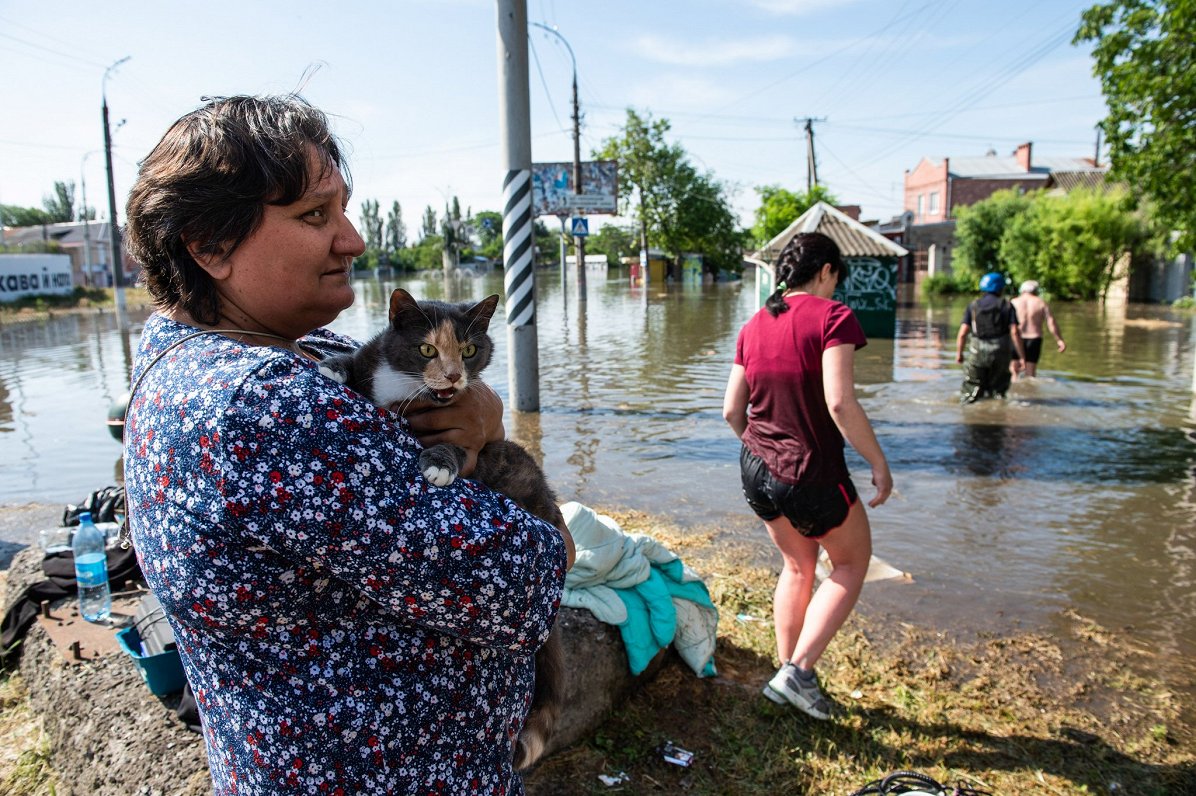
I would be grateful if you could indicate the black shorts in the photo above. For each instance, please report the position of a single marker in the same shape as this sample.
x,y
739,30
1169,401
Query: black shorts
x,y
1033,346
813,509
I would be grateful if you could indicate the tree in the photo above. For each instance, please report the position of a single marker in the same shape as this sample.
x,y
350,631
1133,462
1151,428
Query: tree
x,y
488,227
452,231
679,208
779,207
614,242
396,230
14,216
60,205
428,226
1072,244
1146,62
371,225
978,231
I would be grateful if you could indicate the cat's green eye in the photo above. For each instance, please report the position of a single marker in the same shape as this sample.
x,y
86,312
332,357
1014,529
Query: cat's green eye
x,y
468,350
428,350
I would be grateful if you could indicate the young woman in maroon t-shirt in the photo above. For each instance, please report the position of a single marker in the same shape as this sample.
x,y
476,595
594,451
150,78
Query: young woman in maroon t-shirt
x,y
791,400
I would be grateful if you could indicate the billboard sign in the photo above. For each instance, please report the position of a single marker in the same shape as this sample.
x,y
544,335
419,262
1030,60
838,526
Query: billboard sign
x,y
553,192
34,274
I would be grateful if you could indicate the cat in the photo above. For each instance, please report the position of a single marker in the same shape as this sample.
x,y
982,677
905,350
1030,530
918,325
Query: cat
x,y
434,350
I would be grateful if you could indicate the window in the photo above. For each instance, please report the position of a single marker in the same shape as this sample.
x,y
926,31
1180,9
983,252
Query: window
x,y
920,198
934,202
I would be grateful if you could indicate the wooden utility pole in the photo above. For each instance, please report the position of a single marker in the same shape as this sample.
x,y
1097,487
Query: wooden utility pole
x,y
811,162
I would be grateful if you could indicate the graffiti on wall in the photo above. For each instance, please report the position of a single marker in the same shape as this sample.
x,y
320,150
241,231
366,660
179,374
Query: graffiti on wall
x,y
871,285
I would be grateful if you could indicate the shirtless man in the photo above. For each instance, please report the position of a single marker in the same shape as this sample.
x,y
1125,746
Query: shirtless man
x,y
1031,312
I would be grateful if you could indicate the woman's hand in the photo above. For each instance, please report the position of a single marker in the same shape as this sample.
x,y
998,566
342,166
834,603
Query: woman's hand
x,y
472,420
882,479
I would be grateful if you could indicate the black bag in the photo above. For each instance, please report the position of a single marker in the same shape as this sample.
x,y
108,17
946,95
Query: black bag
x,y
104,504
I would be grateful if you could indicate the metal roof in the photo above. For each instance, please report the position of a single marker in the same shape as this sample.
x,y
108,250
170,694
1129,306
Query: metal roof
x,y
991,167
853,238
70,233
1068,181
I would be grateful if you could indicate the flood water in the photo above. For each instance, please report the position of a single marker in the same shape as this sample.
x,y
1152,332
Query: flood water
x,y
1078,492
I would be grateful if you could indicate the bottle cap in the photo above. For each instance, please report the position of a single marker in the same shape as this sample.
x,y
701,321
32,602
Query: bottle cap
x,y
84,516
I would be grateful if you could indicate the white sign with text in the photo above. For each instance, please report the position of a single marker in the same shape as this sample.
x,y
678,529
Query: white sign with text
x,y
34,275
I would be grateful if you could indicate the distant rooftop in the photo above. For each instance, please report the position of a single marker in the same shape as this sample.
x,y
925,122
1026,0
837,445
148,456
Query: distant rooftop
x,y
992,167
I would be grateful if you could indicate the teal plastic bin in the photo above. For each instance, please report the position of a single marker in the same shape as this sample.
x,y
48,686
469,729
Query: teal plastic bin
x,y
163,673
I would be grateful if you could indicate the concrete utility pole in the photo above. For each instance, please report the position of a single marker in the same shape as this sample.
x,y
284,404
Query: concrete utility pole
x,y
118,269
514,109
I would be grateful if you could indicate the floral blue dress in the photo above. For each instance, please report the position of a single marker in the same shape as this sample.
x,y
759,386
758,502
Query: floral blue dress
x,y
346,627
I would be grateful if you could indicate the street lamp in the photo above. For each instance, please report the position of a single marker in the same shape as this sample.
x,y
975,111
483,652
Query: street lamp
x,y
579,241
86,226
118,275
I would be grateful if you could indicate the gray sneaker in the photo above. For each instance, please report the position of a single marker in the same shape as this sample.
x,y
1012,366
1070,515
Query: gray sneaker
x,y
790,685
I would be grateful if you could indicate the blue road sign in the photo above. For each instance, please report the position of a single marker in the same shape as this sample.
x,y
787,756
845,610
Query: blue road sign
x,y
580,226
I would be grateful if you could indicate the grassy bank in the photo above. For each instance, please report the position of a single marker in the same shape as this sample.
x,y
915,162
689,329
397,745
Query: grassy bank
x,y
1007,715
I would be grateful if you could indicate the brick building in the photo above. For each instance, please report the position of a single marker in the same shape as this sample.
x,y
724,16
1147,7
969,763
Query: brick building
x,y
934,191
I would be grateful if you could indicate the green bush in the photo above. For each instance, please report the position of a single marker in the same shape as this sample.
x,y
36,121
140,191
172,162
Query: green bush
x,y
942,285
1070,244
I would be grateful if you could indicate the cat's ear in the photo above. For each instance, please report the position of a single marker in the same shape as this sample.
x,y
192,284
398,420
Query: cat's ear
x,y
400,301
483,311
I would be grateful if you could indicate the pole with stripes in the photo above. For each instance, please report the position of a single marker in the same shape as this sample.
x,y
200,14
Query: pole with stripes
x,y
519,278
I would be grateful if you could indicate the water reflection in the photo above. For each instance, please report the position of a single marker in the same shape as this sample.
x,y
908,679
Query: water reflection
x,y
993,449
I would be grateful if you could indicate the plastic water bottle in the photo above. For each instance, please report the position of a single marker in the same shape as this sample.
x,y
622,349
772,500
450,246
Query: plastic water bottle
x,y
91,571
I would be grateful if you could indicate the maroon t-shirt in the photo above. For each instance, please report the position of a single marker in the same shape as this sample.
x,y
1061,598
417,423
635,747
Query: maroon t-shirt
x,y
789,426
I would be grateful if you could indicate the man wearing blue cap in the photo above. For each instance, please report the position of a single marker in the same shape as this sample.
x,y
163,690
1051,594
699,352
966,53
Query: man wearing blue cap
x,y
991,321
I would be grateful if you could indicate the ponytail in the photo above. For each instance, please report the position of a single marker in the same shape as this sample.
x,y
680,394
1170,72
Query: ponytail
x,y
775,303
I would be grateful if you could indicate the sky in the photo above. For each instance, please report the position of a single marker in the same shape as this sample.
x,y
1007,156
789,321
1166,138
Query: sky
x,y
412,87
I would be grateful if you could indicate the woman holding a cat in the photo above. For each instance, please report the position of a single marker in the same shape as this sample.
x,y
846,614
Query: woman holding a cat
x,y
791,400
346,626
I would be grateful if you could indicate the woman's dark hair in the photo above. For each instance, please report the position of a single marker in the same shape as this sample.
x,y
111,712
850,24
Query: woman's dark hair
x,y
207,183
799,262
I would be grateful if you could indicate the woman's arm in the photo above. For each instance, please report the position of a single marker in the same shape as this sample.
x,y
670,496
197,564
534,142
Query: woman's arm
x,y
838,385
471,421
735,401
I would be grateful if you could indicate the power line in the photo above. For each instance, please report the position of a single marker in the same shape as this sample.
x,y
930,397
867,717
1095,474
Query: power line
x,y
1011,71
544,83
878,31
60,54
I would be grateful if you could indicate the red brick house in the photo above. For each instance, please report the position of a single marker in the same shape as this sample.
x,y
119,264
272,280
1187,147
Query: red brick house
x,y
934,191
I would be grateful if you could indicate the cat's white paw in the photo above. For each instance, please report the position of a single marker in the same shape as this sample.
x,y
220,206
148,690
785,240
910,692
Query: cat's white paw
x,y
339,378
439,476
